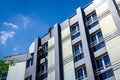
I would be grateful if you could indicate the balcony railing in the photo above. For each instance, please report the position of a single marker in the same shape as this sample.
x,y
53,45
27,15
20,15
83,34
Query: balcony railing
x,y
91,21
43,72
82,78
78,52
101,39
104,67
75,31
78,55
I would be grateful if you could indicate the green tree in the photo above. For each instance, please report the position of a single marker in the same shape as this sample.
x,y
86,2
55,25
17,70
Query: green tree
x,y
4,66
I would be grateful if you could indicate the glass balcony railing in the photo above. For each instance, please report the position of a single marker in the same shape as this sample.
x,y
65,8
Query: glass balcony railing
x,y
78,55
101,39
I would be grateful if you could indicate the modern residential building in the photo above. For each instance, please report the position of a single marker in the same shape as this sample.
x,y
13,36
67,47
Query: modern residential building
x,y
86,46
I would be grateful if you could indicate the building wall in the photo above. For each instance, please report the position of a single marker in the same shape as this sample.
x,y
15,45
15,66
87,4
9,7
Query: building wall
x,y
17,71
51,59
60,44
110,27
68,63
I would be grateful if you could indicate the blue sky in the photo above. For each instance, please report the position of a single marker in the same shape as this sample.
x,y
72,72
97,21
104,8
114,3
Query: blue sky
x,y
21,21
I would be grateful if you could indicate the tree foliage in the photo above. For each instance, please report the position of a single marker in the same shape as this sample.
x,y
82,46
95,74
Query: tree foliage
x,y
4,65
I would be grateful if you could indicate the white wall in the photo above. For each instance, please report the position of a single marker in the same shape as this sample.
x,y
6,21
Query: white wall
x,y
17,71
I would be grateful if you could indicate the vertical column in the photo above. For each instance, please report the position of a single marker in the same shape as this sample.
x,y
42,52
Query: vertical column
x,y
32,70
87,55
58,53
35,59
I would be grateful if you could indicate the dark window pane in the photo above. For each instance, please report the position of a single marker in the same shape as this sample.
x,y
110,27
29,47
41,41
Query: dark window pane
x,y
99,34
44,76
78,57
93,38
29,78
75,35
29,63
99,64
4,74
3,79
106,61
75,31
80,73
98,46
93,24
106,74
76,48
75,28
89,18
94,15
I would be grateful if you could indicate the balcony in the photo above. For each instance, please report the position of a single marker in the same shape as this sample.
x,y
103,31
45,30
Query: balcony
x,y
92,20
94,43
78,55
106,67
75,34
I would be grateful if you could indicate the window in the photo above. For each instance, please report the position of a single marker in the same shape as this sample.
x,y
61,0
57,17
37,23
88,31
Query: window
x,y
43,68
102,63
45,47
96,37
43,76
78,52
105,75
97,41
4,76
98,46
75,31
29,63
81,73
29,78
92,20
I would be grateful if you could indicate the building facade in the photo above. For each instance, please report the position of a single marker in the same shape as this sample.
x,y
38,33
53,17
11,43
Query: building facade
x,y
83,47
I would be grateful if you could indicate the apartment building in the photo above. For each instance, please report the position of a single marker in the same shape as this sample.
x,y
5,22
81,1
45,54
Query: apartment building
x,y
83,47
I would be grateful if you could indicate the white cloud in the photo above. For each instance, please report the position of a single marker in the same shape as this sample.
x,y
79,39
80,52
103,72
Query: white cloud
x,y
5,35
15,49
25,21
11,25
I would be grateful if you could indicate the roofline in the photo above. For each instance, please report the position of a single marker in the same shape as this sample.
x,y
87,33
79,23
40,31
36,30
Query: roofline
x,y
16,55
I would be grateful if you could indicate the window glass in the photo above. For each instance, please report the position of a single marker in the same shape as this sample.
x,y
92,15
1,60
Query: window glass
x,y
103,62
29,63
99,34
75,31
94,15
92,20
78,57
99,64
89,18
81,73
75,35
78,52
75,28
29,78
4,74
93,38
76,48
93,24
106,74
106,60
